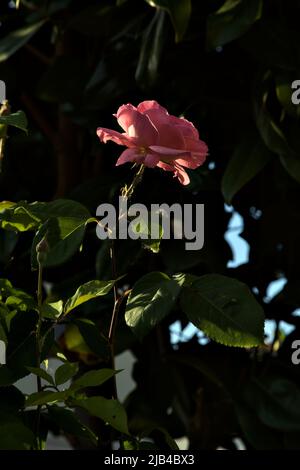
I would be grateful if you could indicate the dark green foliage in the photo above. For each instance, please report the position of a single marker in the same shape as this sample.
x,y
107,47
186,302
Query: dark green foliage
x,y
227,66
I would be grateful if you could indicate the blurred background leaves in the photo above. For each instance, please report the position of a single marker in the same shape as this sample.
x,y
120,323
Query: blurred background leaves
x,y
227,67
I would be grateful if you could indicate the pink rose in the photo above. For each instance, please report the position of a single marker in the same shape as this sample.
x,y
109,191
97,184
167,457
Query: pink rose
x,y
153,137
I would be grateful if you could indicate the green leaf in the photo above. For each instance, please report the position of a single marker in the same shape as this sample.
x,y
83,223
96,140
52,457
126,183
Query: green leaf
x,y
21,347
43,398
69,423
249,158
20,301
64,236
65,372
90,332
151,299
41,373
143,230
16,39
150,54
86,292
18,217
184,279
74,340
6,205
277,402
93,378
17,119
14,435
225,310
284,92
110,411
179,11
130,445
260,436
232,20
25,216
52,310
271,133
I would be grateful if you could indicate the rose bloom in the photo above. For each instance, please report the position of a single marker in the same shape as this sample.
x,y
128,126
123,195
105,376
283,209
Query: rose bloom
x,y
153,138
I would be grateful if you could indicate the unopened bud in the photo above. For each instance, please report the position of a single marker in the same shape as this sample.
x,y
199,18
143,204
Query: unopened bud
x,y
42,249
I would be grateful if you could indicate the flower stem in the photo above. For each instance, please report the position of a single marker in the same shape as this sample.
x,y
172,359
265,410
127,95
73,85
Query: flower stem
x,y
114,317
125,192
128,191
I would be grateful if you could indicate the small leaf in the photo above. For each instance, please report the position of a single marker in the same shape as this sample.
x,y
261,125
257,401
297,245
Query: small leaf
x,y
249,158
232,20
74,340
151,50
16,39
6,205
151,299
18,217
52,310
179,11
43,398
64,236
17,119
93,378
41,373
225,309
144,231
86,292
97,343
65,372
284,92
69,423
271,132
110,411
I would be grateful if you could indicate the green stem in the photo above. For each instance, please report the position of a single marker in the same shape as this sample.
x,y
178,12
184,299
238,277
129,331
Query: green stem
x,y
128,192
38,348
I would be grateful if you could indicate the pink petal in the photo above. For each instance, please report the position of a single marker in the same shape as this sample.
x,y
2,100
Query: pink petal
x,y
168,153
130,155
178,171
120,139
193,161
171,137
166,166
137,125
151,104
151,160
123,115
196,146
158,117
187,128
181,174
